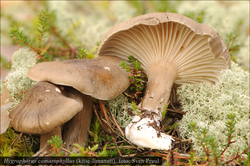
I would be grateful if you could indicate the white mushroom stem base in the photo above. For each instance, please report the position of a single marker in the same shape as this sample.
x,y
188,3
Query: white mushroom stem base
x,y
142,134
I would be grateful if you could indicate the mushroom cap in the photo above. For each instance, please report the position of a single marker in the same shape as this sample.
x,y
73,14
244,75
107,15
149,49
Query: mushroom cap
x,y
100,77
5,119
197,51
45,107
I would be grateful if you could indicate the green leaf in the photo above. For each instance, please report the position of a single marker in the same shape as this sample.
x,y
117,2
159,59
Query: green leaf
x,y
94,148
134,107
104,152
164,111
81,53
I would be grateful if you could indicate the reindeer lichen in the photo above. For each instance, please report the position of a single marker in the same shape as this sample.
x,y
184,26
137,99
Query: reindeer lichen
x,y
23,58
209,107
119,107
17,82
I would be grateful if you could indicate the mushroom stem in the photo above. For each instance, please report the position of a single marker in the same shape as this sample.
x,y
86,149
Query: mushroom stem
x,y
47,136
145,131
76,129
161,77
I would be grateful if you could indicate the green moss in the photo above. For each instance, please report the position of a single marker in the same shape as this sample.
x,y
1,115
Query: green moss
x,y
18,148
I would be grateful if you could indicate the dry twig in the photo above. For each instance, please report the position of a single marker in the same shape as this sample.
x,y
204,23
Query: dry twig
x,y
116,124
25,145
15,140
118,150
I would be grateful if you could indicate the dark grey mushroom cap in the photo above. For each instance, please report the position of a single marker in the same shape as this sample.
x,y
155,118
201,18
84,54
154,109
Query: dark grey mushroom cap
x,y
45,107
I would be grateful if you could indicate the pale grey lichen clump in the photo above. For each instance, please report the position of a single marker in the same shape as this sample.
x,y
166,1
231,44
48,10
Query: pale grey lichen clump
x,y
17,82
23,58
119,107
209,106
87,26
243,55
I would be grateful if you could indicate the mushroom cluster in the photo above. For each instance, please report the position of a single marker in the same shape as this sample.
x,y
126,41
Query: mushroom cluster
x,y
64,96
173,50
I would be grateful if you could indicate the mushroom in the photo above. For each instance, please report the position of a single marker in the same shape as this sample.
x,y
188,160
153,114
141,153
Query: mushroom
x,y
5,120
44,109
173,50
100,77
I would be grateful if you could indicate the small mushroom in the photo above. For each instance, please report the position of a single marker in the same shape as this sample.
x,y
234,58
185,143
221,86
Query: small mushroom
x,y
44,109
173,50
100,77
5,119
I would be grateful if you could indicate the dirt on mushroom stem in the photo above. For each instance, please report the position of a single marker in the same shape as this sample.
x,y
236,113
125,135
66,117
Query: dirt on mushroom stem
x,y
150,115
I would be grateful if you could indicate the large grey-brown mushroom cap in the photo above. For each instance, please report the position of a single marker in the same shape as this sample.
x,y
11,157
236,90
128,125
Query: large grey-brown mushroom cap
x,y
100,77
45,107
196,50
